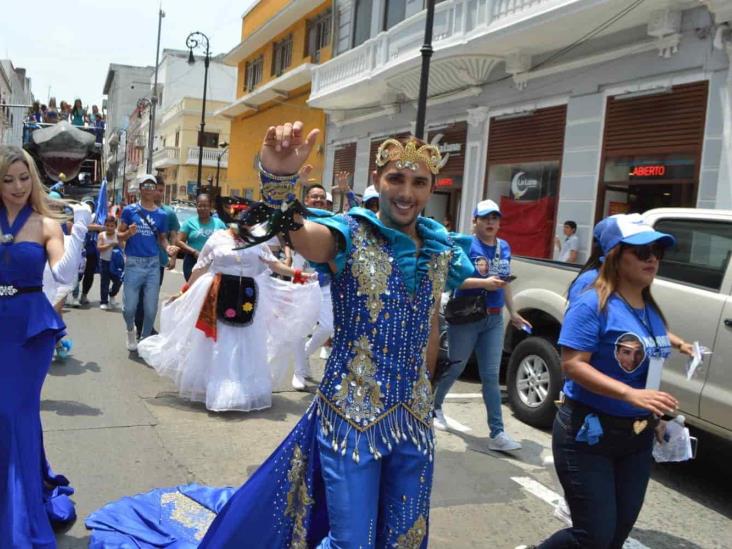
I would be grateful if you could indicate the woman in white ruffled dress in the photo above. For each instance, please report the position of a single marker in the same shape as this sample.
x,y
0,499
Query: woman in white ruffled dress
x,y
219,363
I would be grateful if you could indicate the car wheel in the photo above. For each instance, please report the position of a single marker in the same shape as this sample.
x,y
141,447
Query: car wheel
x,y
534,380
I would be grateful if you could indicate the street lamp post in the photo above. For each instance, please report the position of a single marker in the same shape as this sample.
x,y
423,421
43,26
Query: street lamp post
x,y
195,40
154,102
142,104
424,78
124,170
224,147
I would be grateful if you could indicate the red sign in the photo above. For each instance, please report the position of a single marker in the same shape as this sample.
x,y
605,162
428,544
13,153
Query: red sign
x,y
444,182
654,170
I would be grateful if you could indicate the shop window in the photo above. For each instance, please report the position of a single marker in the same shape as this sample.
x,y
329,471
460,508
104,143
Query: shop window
x,y
362,22
209,139
527,195
394,13
253,71
701,254
318,35
281,56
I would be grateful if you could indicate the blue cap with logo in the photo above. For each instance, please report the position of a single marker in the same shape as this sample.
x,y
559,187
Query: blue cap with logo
x,y
486,207
628,229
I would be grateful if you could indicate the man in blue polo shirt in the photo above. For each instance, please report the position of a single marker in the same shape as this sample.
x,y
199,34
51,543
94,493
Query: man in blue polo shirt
x,y
143,226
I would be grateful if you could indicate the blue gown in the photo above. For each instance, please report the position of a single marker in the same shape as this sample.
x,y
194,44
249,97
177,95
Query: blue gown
x,y
31,495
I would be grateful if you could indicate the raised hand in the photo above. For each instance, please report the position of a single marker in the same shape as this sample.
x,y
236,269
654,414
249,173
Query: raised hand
x,y
342,181
285,148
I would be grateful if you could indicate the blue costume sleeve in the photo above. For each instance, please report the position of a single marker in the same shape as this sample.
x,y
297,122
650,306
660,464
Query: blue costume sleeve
x,y
581,327
460,267
338,224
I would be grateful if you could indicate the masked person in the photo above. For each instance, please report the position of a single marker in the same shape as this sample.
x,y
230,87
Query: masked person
x,y
356,471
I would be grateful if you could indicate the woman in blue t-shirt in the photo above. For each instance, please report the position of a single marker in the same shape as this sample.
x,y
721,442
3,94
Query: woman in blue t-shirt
x,y
614,341
491,258
196,231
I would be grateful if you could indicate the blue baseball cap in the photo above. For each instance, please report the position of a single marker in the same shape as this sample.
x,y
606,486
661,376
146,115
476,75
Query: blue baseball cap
x,y
370,193
628,229
486,207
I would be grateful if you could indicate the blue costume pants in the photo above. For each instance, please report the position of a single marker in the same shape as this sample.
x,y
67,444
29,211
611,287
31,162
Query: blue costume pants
x,y
376,503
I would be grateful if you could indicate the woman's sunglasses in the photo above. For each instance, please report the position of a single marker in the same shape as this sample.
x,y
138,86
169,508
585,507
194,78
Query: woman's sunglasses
x,y
644,253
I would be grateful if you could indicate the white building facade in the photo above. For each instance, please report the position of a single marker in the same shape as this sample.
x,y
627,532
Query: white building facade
x,y
15,99
557,109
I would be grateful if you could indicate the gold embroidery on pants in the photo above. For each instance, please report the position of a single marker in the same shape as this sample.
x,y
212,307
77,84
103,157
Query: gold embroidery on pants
x,y
413,538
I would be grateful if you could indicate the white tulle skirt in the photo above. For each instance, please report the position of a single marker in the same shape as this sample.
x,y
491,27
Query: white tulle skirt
x,y
234,372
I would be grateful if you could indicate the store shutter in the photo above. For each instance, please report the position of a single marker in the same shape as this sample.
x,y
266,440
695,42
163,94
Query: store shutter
x,y
657,124
535,137
345,159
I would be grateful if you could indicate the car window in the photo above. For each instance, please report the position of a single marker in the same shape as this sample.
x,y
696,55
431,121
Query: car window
x,y
701,254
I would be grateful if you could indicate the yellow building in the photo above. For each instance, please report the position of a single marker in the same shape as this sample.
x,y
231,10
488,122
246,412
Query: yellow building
x,y
177,151
282,40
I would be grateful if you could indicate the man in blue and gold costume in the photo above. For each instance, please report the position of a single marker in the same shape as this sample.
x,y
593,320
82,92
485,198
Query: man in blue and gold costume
x,y
372,417
356,471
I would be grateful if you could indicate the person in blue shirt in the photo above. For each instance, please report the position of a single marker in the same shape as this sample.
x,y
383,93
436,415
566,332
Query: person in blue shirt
x,y
196,231
491,257
167,256
143,227
613,335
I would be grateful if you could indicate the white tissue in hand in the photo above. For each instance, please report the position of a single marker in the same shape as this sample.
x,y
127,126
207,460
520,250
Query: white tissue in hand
x,y
82,214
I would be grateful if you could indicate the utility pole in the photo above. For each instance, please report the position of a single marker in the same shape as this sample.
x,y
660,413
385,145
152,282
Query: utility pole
x,y
151,126
195,40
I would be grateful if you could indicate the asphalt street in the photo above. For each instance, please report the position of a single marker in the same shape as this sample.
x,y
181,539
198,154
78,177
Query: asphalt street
x,y
115,428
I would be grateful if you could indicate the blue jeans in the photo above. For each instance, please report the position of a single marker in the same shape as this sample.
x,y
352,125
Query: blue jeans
x,y
604,484
141,273
106,279
485,337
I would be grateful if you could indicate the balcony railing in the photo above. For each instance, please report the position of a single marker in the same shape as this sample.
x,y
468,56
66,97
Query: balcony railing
x,y
209,158
456,21
167,156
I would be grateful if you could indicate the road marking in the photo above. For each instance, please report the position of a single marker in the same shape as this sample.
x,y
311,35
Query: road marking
x,y
546,495
461,396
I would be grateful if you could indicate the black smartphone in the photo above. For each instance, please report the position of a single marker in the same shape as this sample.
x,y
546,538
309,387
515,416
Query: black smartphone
x,y
509,278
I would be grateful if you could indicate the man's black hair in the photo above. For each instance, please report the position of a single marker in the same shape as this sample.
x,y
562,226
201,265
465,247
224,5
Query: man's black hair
x,y
314,186
572,225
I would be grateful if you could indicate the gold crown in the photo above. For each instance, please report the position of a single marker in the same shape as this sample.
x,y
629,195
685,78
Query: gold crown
x,y
408,156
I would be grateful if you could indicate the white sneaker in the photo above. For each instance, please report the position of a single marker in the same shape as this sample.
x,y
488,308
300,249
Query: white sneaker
x,y
503,443
72,301
298,382
113,303
439,422
104,307
131,340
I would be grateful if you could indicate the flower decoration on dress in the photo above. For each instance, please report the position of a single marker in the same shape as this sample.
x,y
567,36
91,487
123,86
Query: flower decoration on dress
x,y
409,156
229,313
247,307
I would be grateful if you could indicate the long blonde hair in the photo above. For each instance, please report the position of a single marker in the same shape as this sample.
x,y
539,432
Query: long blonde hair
x,y
38,199
608,281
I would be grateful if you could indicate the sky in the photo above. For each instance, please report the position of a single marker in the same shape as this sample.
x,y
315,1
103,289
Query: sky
x,y
67,46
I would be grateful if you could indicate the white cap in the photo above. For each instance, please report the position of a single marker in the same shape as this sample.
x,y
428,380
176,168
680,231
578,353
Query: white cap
x,y
144,178
486,207
370,193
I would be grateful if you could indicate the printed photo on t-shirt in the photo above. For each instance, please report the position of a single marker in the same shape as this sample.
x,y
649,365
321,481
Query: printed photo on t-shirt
x,y
481,265
629,352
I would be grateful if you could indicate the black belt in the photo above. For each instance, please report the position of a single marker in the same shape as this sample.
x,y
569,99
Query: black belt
x,y
9,290
617,422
